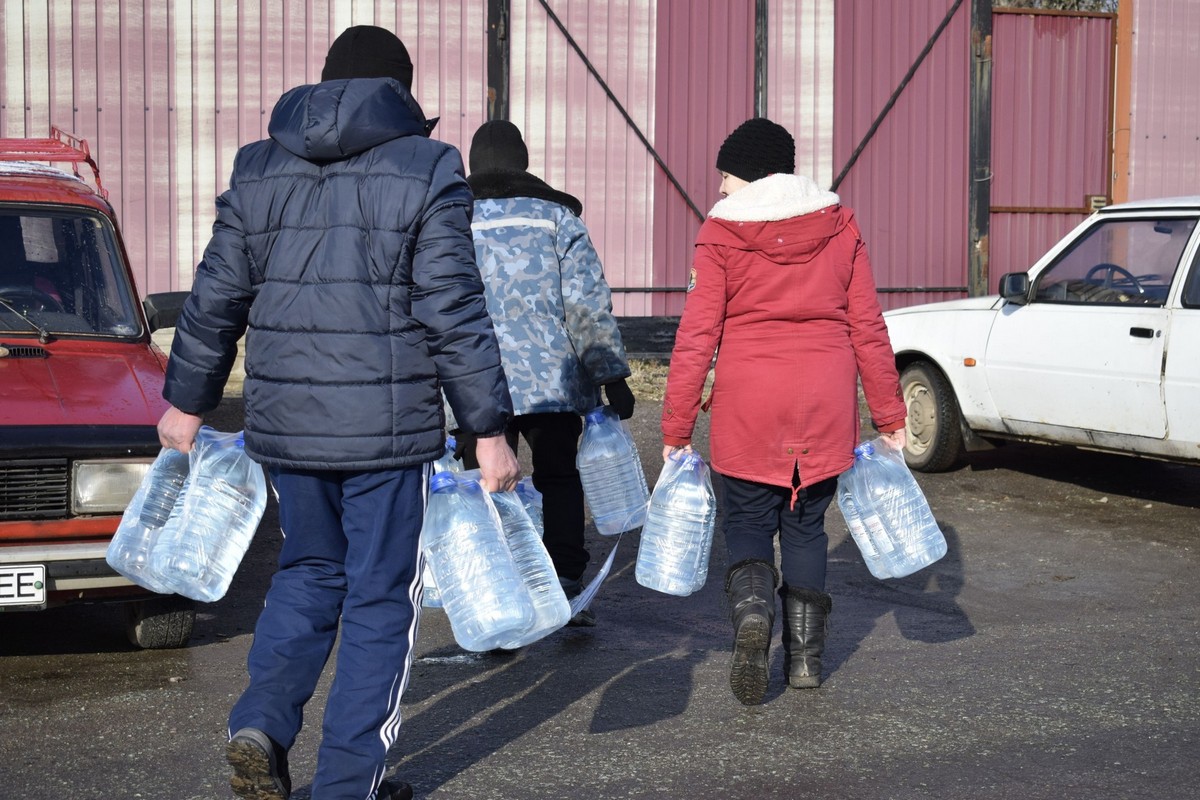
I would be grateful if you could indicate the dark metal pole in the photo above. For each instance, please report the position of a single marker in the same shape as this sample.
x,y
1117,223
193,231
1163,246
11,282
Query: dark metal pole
x,y
979,193
760,58
497,59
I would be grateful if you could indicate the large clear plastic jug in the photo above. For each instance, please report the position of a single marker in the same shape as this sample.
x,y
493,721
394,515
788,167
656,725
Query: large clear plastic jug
x,y
531,498
431,596
677,538
209,531
551,609
481,590
448,462
611,473
129,551
887,513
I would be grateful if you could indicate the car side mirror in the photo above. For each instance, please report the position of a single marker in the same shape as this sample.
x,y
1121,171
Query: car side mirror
x,y
163,309
1014,287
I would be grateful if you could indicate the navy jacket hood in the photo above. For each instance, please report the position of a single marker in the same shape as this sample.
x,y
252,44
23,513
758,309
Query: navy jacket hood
x,y
333,120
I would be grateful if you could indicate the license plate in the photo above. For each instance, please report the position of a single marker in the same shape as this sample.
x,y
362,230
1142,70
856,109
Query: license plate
x,y
23,585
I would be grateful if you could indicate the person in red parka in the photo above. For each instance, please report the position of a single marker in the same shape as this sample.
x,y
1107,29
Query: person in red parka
x,y
781,289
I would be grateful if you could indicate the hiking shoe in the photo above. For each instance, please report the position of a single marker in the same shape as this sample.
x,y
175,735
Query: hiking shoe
x,y
393,789
260,766
584,618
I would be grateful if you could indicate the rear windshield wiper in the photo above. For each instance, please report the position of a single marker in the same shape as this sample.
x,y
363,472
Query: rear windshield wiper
x,y
43,334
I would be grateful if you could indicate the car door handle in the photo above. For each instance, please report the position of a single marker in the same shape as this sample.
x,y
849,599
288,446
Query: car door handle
x,y
1142,333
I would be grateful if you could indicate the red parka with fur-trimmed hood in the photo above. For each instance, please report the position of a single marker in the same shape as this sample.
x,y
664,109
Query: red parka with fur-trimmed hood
x,y
781,289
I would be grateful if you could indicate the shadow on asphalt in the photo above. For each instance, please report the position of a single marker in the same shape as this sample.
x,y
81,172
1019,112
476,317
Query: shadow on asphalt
x,y
474,704
91,628
466,706
1128,476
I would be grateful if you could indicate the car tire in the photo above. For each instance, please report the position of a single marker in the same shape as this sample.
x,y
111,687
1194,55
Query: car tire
x,y
160,623
934,424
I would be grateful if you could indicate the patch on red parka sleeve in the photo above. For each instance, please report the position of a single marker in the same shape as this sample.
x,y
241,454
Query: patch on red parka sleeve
x,y
696,340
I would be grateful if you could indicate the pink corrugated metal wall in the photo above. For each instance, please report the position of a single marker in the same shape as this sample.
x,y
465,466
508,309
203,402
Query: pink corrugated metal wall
x,y
909,186
165,93
705,89
578,141
1051,123
1164,143
73,64
800,39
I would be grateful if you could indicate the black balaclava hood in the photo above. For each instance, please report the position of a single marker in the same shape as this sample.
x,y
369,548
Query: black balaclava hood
x,y
366,51
498,146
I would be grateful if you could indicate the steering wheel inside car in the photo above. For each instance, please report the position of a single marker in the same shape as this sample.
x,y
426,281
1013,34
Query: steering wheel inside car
x,y
28,298
1112,270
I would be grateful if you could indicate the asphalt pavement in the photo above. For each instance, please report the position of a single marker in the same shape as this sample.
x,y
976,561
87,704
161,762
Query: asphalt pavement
x,y
1051,654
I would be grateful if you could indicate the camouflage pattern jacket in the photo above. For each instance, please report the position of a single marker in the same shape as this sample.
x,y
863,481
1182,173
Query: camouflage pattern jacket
x,y
546,294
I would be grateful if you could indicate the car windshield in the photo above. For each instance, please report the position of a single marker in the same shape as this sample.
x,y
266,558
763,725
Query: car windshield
x,y
61,272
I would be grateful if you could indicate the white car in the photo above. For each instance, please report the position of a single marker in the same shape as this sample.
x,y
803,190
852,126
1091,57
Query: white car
x,y
1096,346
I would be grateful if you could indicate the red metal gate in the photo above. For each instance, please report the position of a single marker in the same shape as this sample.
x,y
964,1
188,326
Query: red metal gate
x,y
902,114
1052,91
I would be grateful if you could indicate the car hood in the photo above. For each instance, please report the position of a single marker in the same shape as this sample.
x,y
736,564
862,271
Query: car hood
x,y
71,382
968,304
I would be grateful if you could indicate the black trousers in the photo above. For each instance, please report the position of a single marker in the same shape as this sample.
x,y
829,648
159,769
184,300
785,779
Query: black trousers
x,y
553,440
755,512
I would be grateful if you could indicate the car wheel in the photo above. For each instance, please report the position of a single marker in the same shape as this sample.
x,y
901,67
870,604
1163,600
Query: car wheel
x,y
160,623
934,431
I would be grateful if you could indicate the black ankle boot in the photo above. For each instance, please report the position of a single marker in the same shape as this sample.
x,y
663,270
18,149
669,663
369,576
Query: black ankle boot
x,y
751,586
805,614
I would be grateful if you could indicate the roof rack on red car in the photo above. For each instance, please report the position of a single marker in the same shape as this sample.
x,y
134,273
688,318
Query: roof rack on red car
x,y
61,147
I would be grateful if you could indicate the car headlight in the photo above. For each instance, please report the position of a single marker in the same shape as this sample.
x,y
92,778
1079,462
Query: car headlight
x,y
106,487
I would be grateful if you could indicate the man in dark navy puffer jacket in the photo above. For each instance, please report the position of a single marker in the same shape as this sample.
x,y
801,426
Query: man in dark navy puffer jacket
x,y
343,250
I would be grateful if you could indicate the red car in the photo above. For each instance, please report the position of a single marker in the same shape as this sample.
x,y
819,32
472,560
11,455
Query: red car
x,y
80,390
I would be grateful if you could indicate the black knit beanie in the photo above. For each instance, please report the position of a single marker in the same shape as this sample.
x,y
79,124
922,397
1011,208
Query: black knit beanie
x,y
497,145
365,51
756,149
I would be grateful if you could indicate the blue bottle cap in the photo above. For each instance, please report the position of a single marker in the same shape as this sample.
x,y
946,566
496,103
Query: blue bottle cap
x,y
864,449
596,415
441,481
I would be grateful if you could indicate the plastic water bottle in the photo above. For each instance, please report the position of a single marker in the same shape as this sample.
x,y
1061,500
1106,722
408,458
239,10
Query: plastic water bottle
x,y
551,609
888,507
677,537
611,472
481,590
431,597
129,551
448,463
879,557
207,534
531,498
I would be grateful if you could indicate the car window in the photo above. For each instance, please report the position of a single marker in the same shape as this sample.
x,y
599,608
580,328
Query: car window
x,y
1118,262
60,270
1191,289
